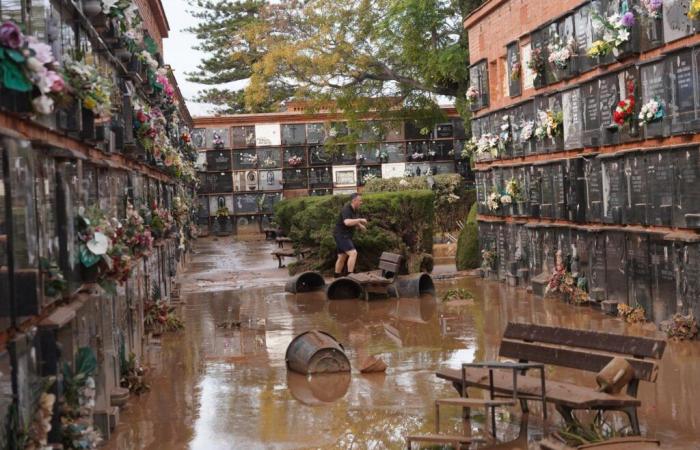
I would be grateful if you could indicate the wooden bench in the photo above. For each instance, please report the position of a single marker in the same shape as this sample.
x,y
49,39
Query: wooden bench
x,y
378,281
578,349
282,240
289,253
272,233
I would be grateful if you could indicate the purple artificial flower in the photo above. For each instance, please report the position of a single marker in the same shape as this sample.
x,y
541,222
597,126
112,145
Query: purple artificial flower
x,y
628,19
656,4
10,35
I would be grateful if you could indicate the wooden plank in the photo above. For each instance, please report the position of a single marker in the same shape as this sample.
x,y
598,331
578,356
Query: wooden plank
x,y
639,347
440,438
284,252
558,392
473,402
576,359
624,443
391,257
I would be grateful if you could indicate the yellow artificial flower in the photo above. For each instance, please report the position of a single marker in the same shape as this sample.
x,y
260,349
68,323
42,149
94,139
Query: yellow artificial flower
x,y
694,11
89,103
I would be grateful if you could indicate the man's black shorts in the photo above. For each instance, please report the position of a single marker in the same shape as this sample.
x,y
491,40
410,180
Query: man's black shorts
x,y
343,244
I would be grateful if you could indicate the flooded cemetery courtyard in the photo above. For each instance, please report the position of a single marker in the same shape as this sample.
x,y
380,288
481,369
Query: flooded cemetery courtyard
x,y
222,382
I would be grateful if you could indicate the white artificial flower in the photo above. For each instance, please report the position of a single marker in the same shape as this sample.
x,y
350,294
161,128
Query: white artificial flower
x,y
99,244
43,104
35,65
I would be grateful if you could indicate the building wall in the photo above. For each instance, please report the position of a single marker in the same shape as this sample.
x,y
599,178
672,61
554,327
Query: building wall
x,y
154,20
248,178
616,200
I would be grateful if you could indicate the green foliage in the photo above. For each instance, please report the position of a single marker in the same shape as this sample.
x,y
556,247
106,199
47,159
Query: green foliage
x,y
599,430
350,53
400,222
468,243
457,294
452,198
74,379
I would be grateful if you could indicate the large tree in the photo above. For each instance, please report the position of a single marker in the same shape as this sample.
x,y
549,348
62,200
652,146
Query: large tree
x,y
350,53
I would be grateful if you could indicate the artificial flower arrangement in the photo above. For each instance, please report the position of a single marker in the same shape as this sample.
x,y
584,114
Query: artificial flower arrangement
x,y
550,124
472,94
162,83
624,111
561,52
360,158
417,156
536,63
680,327
514,190
160,221
488,258
515,70
631,314
269,163
493,200
295,161
651,111
470,147
650,8
505,134
218,141
79,402
694,10
249,158
28,65
571,288
489,143
136,234
90,86
527,130
222,212
369,177
616,32
382,155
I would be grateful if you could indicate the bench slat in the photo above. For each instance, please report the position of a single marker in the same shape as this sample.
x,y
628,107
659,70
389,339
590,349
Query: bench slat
x,y
391,257
614,343
567,394
576,359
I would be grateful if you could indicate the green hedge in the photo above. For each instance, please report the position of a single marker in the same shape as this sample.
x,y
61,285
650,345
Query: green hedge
x,y
400,222
452,198
468,243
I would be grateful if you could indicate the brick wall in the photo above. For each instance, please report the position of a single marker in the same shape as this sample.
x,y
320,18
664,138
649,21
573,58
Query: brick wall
x,y
153,20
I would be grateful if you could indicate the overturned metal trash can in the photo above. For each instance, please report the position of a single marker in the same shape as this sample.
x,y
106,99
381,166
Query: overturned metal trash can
x,y
345,289
414,285
316,352
305,282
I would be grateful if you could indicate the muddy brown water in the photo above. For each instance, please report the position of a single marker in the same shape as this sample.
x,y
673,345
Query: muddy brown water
x,y
228,388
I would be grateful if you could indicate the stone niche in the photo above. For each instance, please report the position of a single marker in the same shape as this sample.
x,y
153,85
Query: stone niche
x,y
612,176
655,86
683,103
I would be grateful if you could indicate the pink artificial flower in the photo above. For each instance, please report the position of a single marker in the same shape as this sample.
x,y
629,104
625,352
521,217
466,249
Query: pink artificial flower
x,y
55,81
169,90
10,35
42,51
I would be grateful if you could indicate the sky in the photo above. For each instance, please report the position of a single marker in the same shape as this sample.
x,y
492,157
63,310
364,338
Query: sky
x,y
179,53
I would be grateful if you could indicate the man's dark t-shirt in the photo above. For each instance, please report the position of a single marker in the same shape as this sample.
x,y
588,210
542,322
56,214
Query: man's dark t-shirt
x,y
341,230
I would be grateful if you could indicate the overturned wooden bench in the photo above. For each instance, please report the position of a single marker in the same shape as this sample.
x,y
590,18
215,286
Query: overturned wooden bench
x,y
282,253
577,349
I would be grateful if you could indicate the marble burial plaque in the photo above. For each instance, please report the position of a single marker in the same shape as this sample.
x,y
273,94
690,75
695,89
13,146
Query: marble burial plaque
x,y
535,250
687,176
616,266
371,131
444,130
270,180
503,250
315,133
527,75
320,177
608,97
344,176
218,136
296,153
412,131
393,170
538,43
267,134
458,127
541,106
245,180
479,76
684,89
366,172
516,119
417,150
575,190
243,136
293,134
651,33
319,156
559,184
367,153
269,201
596,248
690,280
222,182
218,160
295,178
514,69
661,180
572,105
534,184
202,206
246,203
628,79
343,155
245,159
591,133
199,137
220,201
442,149
550,245
548,186
269,158
637,205
593,189
555,105
552,38
481,192
676,23
613,189
395,152
654,82
529,119
583,25
639,270
663,279
521,204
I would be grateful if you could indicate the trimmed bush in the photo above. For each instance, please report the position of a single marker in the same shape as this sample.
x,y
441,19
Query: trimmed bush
x,y
468,243
400,222
452,199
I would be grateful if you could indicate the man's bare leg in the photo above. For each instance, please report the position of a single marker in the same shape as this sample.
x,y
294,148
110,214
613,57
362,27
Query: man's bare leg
x,y
352,258
340,262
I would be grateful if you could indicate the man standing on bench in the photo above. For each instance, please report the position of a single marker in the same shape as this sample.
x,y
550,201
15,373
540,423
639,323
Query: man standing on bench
x,y
347,221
